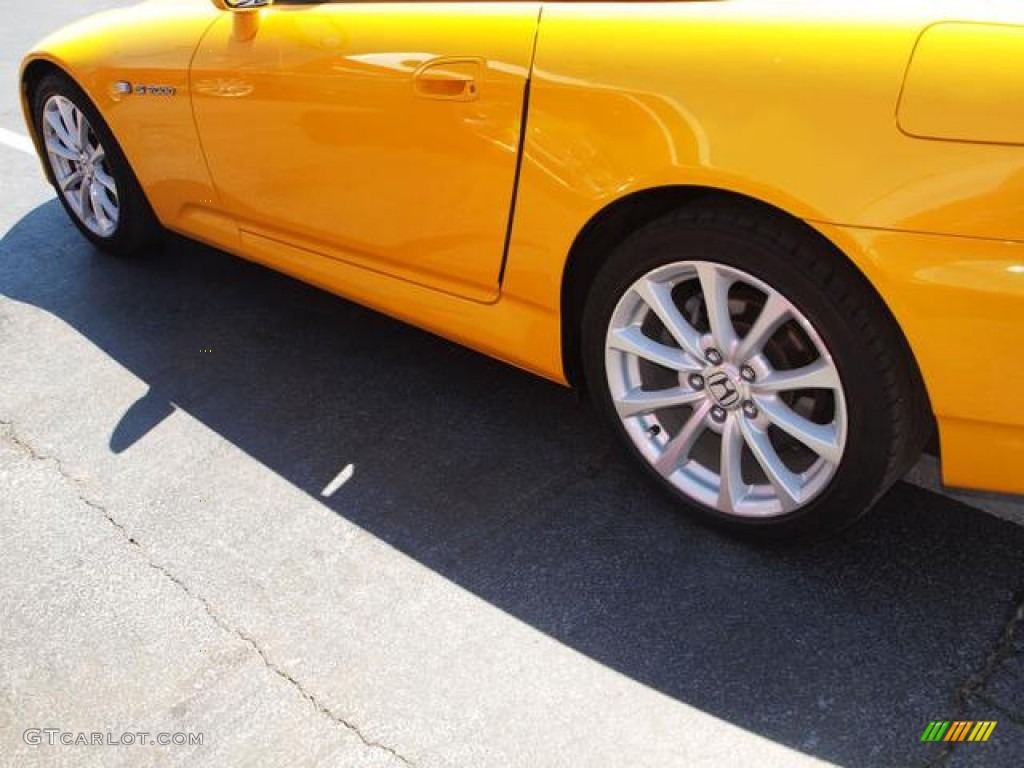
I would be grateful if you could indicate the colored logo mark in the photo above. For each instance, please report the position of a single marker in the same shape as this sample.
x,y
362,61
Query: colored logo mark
x,y
958,730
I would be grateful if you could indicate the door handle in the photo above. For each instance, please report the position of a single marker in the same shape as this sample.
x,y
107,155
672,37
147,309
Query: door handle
x,y
449,79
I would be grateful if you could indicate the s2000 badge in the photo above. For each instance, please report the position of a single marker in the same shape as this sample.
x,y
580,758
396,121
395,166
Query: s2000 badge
x,y
142,89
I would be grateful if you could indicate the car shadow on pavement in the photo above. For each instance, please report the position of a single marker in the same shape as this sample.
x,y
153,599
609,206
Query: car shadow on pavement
x,y
505,485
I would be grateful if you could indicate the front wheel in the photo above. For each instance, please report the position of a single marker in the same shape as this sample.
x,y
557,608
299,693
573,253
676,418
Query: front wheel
x,y
90,173
752,371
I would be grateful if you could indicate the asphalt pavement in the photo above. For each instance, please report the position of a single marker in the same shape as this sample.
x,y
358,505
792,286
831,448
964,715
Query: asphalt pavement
x,y
487,581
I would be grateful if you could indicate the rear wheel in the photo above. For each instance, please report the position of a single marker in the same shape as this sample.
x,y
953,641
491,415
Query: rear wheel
x,y
752,371
89,171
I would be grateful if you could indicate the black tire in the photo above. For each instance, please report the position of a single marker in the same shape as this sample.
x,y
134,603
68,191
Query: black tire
x,y
880,399
136,227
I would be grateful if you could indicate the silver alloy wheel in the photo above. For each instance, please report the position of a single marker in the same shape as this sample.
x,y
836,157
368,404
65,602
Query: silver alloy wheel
x,y
726,389
79,165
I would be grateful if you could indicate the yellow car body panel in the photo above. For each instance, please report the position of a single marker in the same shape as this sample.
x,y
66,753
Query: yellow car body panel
x,y
960,302
834,113
402,126
941,99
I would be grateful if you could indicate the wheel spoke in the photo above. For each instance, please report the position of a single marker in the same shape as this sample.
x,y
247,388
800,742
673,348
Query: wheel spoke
x,y
71,180
658,297
639,402
775,312
715,284
55,146
82,130
821,374
80,197
106,212
105,179
633,341
820,438
731,489
60,131
67,118
677,452
95,208
785,482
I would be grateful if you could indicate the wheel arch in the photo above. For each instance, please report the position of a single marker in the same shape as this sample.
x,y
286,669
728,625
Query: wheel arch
x,y
32,73
615,222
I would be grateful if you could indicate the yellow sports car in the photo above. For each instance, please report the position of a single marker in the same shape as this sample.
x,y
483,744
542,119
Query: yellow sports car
x,y
779,242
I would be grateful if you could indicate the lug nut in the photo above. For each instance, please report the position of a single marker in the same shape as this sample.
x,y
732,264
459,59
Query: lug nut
x,y
718,414
748,373
713,356
750,410
696,381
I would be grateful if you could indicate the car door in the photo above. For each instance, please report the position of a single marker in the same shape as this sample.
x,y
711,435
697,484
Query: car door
x,y
380,134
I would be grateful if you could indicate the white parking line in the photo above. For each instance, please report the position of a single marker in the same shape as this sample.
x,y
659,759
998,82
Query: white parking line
x,y
343,477
17,141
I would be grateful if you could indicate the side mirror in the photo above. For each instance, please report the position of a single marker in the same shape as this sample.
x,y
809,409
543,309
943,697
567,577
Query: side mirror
x,y
241,5
246,20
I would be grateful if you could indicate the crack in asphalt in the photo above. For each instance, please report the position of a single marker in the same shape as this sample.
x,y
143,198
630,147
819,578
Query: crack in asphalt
x,y
320,707
976,683
1003,650
1008,714
11,434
